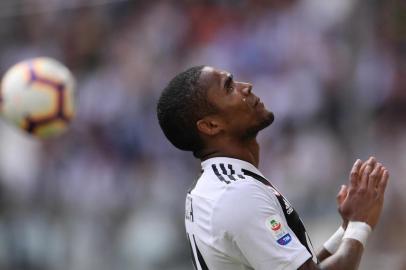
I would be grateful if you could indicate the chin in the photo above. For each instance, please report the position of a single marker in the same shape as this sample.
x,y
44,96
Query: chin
x,y
271,117
266,121
268,118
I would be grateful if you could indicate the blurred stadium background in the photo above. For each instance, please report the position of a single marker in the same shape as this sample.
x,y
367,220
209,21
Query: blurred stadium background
x,y
109,194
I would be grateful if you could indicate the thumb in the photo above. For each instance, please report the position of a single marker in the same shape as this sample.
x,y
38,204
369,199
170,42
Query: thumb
x,y
342,194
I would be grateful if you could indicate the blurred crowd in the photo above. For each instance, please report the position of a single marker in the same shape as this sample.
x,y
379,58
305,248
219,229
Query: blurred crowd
x,y
109,194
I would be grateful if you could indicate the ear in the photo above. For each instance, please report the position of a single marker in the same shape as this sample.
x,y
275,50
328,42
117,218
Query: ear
x,y
209,126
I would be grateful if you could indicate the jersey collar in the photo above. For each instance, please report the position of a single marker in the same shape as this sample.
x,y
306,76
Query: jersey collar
x,y
237,163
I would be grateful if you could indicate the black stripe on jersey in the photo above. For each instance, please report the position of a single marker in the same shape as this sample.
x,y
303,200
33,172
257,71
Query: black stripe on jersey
x,y
256,176
292,217
230,167
223,169
216,172
232,172
200,257
191,251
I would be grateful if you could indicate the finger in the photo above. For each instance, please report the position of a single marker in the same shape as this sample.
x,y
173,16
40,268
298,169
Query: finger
x,y
354,174
374,177
380,175
383,183
371,161
364,178
342,194
364,165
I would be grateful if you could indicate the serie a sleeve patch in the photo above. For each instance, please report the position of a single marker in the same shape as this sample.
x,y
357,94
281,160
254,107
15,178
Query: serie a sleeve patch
x,y
278,230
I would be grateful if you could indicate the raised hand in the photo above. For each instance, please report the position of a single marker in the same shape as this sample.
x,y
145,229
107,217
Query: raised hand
x,y
363,199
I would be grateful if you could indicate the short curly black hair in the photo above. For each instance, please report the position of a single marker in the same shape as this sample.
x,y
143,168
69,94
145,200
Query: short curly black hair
x,y
182,103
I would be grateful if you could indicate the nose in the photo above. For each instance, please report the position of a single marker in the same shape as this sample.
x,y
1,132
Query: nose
x,y
246,89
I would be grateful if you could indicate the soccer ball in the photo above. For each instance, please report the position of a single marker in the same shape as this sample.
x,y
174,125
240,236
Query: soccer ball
x,y
37,95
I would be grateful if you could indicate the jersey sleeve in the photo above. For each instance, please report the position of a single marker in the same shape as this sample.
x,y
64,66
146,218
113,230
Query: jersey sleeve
x,y
249,214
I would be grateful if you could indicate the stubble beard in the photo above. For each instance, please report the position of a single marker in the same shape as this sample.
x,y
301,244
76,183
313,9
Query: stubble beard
x,y
253,131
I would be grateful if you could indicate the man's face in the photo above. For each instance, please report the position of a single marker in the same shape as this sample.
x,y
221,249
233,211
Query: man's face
x,y
241,112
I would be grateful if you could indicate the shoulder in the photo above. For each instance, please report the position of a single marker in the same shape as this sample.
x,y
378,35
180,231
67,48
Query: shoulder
x,y
244,200
249,190
221,179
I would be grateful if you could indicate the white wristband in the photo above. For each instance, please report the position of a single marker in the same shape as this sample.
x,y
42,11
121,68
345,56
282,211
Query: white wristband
x,y
359,231
332,244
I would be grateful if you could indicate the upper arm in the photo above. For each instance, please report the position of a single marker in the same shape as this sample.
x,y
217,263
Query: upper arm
x,y
259,230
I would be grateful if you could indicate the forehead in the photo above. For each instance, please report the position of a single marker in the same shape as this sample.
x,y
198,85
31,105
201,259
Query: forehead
x,y
212,77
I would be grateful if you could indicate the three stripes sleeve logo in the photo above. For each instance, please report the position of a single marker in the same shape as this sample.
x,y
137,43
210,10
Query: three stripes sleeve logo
x,y
226,175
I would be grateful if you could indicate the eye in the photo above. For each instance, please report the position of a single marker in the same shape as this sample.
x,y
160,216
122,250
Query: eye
x,y
229,85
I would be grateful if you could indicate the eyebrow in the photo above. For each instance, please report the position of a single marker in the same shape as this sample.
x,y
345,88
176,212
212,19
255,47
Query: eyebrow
x,y
228,80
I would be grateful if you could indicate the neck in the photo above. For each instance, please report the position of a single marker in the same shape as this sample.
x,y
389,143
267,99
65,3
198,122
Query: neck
x,y
247,150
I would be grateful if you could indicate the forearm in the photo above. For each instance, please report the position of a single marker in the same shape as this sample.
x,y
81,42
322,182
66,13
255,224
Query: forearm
x,y
323,254
348,256
332,244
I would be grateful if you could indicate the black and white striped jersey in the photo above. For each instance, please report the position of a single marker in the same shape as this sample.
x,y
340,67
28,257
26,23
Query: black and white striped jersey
x,y
236,220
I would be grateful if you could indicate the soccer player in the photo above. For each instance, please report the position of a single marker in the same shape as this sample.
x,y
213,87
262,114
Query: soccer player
x,y
235,218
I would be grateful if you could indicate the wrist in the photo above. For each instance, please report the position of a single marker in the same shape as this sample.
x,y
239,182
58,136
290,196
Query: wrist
x,y
332,244
359,231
